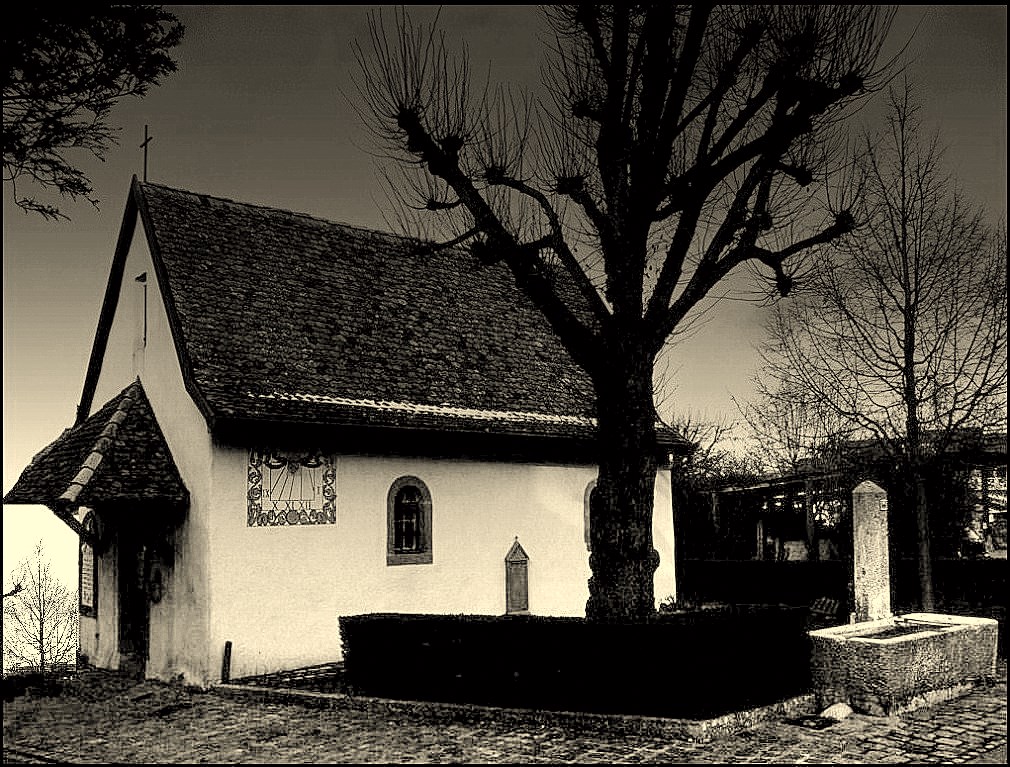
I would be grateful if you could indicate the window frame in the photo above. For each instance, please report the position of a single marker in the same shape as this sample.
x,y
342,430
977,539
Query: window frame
x,y
90,525
424,556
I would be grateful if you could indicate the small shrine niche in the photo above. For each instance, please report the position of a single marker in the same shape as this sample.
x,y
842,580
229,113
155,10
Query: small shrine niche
x,y
517,583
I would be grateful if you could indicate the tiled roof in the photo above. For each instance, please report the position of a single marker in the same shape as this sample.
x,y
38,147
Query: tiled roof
x,y
118,454
288,318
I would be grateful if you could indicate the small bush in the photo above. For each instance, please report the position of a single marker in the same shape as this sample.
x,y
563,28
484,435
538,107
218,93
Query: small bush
x,y
47,685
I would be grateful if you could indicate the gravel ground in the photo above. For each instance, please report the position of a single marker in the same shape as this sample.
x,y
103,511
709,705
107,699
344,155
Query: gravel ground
x,y
108,718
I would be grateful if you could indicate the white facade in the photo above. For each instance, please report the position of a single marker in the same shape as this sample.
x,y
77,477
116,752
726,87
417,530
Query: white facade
x,y
276,593
143,346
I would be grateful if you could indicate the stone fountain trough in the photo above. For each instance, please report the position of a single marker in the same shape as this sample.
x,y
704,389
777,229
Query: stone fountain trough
x,y
887,666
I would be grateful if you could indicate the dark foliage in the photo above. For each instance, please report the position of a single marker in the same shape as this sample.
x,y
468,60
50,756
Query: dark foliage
x,y
17,685
976,587
17,682
65,67
746,580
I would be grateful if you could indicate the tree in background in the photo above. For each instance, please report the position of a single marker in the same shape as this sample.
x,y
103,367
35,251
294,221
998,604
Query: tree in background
x,y
902,332
673,146
786,427
40,620
714,463
65,69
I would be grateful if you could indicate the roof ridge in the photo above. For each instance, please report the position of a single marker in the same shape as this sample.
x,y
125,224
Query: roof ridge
x,y
106,438
422,408
294,213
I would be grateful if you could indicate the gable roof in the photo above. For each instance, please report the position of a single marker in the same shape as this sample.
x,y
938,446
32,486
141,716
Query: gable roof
x,y
280,317
118,455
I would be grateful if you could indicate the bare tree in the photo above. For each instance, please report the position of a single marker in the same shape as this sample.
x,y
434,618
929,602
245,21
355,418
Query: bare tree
x,y
40,620
786,426
673,145
65,68
903,332
713,461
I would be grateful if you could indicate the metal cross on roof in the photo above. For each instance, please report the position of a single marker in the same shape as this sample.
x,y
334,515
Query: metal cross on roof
x,y
147,140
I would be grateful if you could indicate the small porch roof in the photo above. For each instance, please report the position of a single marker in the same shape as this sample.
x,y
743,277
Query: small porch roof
x,y
117,459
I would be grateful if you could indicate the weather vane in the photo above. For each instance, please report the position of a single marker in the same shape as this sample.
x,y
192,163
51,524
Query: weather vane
x,y
147,140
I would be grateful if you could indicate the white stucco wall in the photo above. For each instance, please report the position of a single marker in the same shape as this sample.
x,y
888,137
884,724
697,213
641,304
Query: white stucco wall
x,y
180,622
665,580
278,591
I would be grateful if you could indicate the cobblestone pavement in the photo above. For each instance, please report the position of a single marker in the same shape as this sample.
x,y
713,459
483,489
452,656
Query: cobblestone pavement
x,y
105,718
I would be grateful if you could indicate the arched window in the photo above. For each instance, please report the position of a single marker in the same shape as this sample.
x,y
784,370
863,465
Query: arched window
x,y
87,585
590,492
408,523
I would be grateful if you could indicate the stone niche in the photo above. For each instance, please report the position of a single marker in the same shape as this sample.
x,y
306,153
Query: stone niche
x,y
887,666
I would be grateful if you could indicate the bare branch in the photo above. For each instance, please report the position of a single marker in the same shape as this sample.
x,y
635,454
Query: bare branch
x,y
65,72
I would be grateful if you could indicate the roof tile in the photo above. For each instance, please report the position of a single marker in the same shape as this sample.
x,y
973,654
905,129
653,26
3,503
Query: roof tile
x,y
118,454
272,305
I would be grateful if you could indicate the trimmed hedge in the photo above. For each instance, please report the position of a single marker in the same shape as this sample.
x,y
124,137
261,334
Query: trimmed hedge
x,y
685,665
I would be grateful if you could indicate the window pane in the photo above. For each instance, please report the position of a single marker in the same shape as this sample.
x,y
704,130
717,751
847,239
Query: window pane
x,y
407,520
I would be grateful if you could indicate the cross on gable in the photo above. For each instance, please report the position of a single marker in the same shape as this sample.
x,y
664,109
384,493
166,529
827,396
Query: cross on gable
x,y
147,140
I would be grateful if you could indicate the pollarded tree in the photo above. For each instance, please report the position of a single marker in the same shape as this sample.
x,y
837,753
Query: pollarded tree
x,y
902,333
40,619
672,146
65,67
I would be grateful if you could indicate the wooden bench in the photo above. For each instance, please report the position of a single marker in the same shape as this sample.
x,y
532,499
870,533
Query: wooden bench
x,y
824,612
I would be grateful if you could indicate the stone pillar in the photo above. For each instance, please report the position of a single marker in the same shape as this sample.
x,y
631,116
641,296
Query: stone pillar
x,y
870,557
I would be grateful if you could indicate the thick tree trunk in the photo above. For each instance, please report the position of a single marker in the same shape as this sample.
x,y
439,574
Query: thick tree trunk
x,y
922,536
915,485
623,559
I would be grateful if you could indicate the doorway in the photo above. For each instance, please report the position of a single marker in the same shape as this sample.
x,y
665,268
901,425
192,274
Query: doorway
x,y
134,610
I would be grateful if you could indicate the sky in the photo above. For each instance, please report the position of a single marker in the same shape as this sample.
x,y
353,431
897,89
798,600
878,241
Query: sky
x,y
256,113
